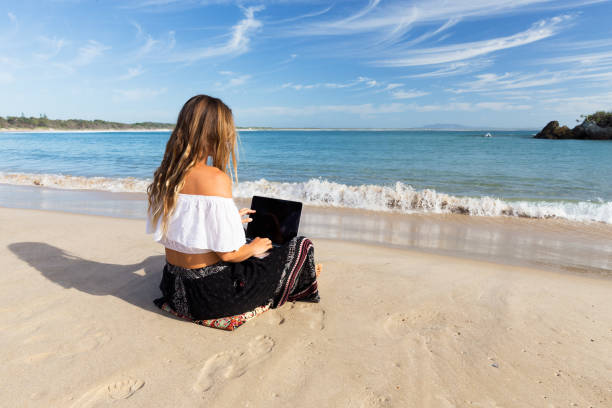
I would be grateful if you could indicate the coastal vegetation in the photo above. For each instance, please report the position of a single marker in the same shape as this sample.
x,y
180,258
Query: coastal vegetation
x,y
596,126
600,118
42,122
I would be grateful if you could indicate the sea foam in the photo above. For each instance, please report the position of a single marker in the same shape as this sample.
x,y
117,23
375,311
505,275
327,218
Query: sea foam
x,y
124,185
399,197
405,199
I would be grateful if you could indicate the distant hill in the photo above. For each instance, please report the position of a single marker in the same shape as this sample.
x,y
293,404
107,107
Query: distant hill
x,y
42,122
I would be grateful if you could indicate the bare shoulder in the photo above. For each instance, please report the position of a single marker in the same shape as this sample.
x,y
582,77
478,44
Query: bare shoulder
x,y
207,181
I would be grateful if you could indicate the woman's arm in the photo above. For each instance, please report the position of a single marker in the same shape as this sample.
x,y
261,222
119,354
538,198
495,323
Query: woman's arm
x,y
257,246
221,185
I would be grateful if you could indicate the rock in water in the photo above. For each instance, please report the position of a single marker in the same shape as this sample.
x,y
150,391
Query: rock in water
x,y
587,130
553,131
591,130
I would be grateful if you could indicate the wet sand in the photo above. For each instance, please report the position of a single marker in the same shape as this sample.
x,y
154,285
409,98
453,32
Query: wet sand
x,y
395,328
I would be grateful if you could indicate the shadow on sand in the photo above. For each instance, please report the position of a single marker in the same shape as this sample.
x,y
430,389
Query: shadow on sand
x,y
95,278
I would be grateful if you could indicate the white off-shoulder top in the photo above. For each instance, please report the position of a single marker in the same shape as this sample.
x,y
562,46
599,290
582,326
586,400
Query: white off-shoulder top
x,y
201,224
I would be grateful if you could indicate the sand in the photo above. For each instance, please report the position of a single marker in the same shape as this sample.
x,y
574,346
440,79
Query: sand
x,y
395,328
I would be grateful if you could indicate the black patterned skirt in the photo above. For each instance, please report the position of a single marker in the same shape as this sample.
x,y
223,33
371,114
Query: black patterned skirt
x,y
227,288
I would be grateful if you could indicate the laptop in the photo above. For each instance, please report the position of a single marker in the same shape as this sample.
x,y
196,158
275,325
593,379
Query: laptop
x,y
276,219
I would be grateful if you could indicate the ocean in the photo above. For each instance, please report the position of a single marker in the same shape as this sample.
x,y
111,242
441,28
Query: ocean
x,y
416,171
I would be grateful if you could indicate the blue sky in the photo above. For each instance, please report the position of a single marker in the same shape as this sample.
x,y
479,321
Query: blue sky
x,y
376,63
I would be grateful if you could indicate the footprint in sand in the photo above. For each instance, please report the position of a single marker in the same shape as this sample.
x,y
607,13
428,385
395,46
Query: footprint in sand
x,y
312,314
315,315
232,364
124,389
102,396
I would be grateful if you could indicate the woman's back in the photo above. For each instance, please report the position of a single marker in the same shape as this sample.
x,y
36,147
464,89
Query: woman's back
x,y
201,180
208,181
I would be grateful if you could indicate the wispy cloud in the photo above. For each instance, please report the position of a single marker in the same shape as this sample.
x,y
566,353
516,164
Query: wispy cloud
x,y
239,80
232,79
371,6
365,82
454,68
148,3
85,56
393,16
163,5
132,73
408,94
369,109
581,45
593,59
489,82
362,83
146,48
392,86
89,52
471,107
149,44
237,44
363,109
302,16
581,104
13,25
458,52
501,106
51,47
291,58
450,23
299,87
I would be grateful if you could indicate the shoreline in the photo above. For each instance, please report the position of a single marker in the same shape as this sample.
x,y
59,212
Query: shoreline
x,y
389,129
50,130
255,129
552,244
395,328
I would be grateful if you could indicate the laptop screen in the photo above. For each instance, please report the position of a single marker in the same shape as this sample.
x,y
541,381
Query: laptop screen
x,y
276,219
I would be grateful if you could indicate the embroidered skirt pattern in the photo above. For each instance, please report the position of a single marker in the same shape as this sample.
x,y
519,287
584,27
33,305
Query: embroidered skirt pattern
x,y
232,291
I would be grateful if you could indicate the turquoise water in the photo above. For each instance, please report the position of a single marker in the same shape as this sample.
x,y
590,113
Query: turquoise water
x,y
441,171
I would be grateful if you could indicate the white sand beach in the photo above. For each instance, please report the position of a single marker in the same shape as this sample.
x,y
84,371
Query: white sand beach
x,y
395,328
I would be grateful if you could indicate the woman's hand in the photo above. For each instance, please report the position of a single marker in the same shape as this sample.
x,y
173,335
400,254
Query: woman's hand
x,y
246,211
260,245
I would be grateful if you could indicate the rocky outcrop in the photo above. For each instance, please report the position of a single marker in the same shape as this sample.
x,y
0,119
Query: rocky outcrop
x,y
587,130
592,131
553,131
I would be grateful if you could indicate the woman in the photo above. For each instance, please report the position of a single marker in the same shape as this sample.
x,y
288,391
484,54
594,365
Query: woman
x,y
211,271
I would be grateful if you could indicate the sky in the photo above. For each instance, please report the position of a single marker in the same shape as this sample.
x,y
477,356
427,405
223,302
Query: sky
x,y
357,63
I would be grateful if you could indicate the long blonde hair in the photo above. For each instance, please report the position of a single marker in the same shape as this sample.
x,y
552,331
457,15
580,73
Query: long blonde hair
x,y
205,127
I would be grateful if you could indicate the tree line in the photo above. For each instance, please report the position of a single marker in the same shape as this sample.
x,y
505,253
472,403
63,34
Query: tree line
x,y
23,122
600,118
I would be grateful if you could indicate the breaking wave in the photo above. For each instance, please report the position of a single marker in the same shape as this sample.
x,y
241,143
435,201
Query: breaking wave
x,y
117,185
400,197
405,199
